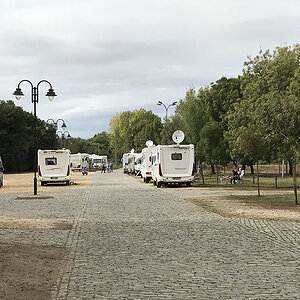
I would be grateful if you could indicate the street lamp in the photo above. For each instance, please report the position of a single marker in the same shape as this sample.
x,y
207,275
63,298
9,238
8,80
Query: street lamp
x,y
166,107
34,99
64,135
55,124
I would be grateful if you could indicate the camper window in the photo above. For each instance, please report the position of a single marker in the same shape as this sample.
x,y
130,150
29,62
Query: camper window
x,y
176,156
50,161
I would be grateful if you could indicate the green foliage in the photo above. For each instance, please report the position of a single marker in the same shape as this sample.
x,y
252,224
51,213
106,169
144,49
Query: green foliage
x,y
17,137
265,123
130,130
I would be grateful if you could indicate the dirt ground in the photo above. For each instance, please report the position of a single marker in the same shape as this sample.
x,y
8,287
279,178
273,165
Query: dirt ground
x,y
230,208
30,271
23,182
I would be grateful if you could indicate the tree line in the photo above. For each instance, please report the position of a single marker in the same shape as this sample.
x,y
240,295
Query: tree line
x,y
250,118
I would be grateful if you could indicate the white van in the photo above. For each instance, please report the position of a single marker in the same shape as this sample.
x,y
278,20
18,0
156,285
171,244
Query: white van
x,y
96,161
146,167
131,163
54,166
173,164
125,162
1,172
79,161
138,164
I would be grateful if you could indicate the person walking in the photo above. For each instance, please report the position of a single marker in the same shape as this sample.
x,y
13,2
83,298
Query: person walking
x,y
103,168
111,167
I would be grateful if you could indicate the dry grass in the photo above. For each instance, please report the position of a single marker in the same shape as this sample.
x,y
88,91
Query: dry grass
x,y
23,182
242,206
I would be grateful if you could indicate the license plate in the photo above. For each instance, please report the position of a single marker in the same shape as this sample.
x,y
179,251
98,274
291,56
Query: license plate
x,y
53,177
176,178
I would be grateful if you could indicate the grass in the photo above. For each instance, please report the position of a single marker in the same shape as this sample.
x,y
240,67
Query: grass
x,y
266,182
278,200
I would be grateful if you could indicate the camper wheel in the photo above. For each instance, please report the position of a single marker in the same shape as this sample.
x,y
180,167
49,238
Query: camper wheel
x,y
43,183
68,182
154,182
158,184
188,184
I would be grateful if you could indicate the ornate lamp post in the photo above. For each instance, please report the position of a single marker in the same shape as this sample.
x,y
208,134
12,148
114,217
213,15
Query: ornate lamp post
x,y
64,135
55,124
166,107
34,99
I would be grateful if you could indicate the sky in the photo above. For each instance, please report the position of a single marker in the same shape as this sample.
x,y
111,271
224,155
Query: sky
x,y
104,57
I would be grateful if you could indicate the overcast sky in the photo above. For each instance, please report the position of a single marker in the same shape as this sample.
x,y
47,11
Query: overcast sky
x,y
107,56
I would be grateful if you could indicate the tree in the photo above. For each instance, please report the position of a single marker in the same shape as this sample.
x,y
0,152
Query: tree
x,y
17,144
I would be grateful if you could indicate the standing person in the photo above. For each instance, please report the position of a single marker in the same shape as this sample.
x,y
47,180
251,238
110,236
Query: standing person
x,y
103,168
110,167
234,177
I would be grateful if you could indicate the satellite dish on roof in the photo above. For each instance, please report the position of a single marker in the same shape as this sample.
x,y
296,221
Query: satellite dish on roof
x,y
149,143
178,136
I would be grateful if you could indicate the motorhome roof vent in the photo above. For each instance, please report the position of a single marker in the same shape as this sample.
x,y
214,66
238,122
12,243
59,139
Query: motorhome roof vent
x,y
178,136
149,143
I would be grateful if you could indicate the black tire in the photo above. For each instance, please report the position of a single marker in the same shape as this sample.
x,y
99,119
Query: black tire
x,y
188,184
68,182
154,182
42,183
158,184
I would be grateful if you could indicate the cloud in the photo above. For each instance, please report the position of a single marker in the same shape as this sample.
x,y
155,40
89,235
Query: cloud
x,y
107,56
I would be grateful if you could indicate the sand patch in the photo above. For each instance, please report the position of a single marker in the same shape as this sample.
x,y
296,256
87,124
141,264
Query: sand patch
x,y
23,182
230,208
21,223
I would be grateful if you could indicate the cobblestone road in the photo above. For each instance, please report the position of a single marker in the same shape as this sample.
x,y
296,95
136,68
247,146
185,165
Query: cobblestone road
x,y
130,240
134,241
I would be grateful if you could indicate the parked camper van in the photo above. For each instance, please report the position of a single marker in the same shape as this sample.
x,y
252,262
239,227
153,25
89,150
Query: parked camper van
x,y
125,162
1,172
54,166
96,161
138,164
79,161
131,163
173,163
146,167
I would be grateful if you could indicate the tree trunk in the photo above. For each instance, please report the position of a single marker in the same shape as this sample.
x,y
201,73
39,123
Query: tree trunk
x,y
217,167
290,167
295,180
212,169
201,172
258,187
252,169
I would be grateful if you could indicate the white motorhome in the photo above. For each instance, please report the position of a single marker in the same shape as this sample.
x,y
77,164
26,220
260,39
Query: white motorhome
x,y
96,161
54,166
1,172
79,161
131,163
146,167
138,164
125,162
173,164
